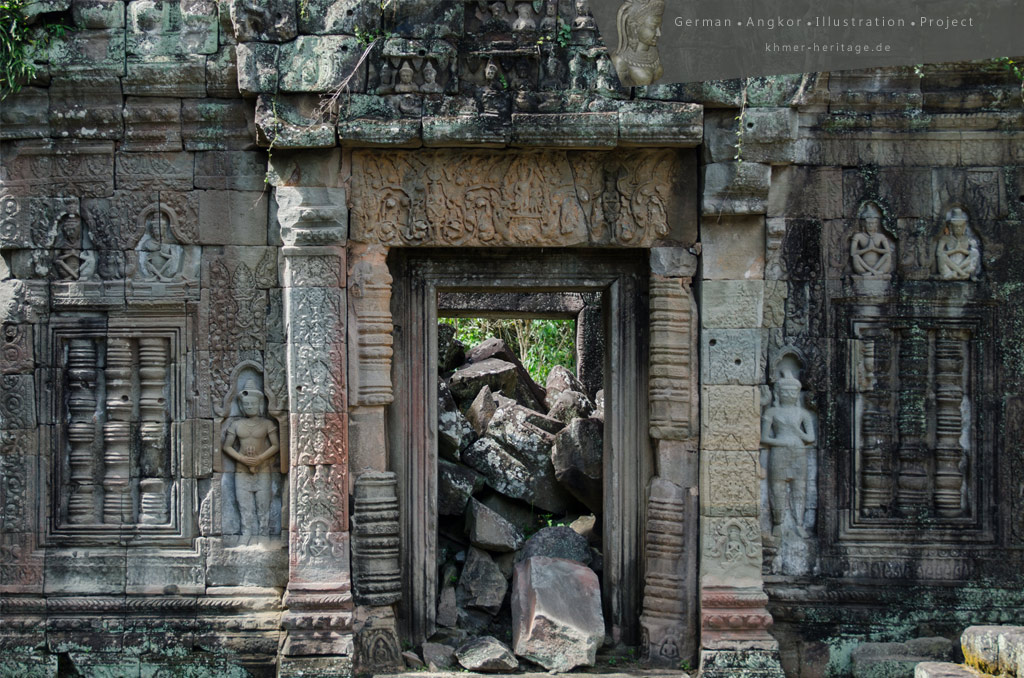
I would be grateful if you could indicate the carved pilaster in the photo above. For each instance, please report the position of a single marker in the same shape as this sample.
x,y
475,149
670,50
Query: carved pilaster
x,y
912,493
370,328
672,391
81,432
375,543
873,384
950,433
153,431
117,432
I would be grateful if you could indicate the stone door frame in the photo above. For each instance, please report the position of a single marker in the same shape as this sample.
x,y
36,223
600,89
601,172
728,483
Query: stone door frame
x,y
621,279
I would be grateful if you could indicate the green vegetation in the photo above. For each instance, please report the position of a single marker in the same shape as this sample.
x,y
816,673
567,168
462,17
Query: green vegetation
x,y
540,344
19,42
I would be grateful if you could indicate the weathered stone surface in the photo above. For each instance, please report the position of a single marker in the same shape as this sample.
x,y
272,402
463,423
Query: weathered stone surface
x,y
86,107
556,613
447,607
273,21
257,67
320,64
231,170
527,392
412,660
166,76
882,660
292,122
559,542
498,375
217,124
481,586
732,304
731,356
454,431
944,670
736,188
673,262
501,470
450,351
232,217
578,458
481,410
152,124
560,380
489,530
438,656
569,405
455,485
517,512
994,649
26,114
486,654
586,527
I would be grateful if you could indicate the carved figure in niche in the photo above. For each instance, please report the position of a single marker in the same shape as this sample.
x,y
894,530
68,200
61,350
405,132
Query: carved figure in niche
x,y
957,253
258,445
480,213
734,545
871,250
787,430
584,20
636,59
68,261
159,258
553,72
524,20
430,85
387,76
549,22
405,84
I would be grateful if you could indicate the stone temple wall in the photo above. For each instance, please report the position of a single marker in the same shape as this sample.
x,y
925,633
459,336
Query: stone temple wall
x,y
201,453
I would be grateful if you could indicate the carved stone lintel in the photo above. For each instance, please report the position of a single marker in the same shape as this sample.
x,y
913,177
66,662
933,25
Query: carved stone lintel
x,y
375,543
673,390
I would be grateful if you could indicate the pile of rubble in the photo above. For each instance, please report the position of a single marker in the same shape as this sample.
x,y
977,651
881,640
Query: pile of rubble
x,y
519,502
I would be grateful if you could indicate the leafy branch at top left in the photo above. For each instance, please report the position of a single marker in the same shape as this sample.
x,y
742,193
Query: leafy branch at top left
x,y
20,41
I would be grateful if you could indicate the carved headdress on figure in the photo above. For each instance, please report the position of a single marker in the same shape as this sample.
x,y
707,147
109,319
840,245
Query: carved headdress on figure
x,y
636,58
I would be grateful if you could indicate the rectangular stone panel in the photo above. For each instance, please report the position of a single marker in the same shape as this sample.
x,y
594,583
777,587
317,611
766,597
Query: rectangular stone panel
x,y
731,357
731,304
231,170
232,218
152,124
218,124
730,483
26,114
166,76
86,107
733,248
730,418
155,171
95,52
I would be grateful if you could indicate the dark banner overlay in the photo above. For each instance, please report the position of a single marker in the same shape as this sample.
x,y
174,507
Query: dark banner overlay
x,y
664,41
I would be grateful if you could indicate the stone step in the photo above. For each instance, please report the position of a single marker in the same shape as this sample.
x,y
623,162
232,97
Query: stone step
x,y
945,670
998,650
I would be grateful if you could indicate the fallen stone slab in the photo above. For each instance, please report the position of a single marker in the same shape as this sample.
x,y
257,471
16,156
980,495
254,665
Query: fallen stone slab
x,y
496,348
570,405
560,379
482,586
412,660
454,431
451,353
994,649
455,485
945,670
556,613
481,410
489,530
559,541
578,460
486,654
498,375
438,656
897,660
532,446
500,469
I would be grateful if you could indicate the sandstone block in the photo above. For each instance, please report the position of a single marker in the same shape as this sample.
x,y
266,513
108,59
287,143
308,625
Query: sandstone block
x,y
89,52
569,405
731,356
231,170
152,124
26,114
531,445
559,542
450,351
993,649
489,530
166,76
98,13
481,586
560,380
270,21
438,656
333,17
730,418
500,469
732,304
496,348
292,122
736,188
578,458
733,248
454,432
885,660
217,124
486,654
455,485
496,374
556,613
257,67
222,73
86,107
316,63
673,262
232,217
520,514
944,670
660,123
481,410
412,660
447,608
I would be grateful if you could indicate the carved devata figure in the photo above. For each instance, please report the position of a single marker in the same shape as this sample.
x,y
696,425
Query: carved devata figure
x,y
252,438
957,253
788,431
871,250
636,58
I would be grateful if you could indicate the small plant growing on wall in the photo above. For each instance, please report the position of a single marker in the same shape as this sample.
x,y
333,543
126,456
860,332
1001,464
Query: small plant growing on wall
x,y
20,41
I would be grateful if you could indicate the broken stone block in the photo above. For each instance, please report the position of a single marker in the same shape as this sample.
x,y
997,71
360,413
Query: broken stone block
x,y
885,660
560,379
498,375
256,63
520,514
578,460
586,527
271,21
320,63
943,670
454,432
292,121
599,405
481,410
569,405
447,608
412,660
486,654
527,392
991,648
488,530
559,541
455,485
556,613
438,656
482,586
450,351
500,469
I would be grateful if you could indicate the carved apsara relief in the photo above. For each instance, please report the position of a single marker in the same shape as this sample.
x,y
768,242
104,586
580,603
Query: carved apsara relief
x,y
957,251
545,198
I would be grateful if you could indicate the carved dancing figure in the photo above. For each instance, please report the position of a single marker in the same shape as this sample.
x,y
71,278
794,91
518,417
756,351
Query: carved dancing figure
x,y
636,58
257,439
158,259
787,429
957,252
871,249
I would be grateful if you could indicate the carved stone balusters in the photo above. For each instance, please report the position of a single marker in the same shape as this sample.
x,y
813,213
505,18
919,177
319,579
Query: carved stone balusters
x,y
81,375
377,578
117,432
912,494
951,430
153,431
874,391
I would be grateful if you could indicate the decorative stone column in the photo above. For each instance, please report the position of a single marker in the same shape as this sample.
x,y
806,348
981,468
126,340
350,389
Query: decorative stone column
x,y
670,610
314,228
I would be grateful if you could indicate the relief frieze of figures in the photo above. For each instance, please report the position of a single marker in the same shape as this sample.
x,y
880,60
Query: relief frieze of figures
x,y
528,199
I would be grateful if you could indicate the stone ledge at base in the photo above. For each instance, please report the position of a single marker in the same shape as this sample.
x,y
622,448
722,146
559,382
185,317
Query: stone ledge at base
x,y
740,664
